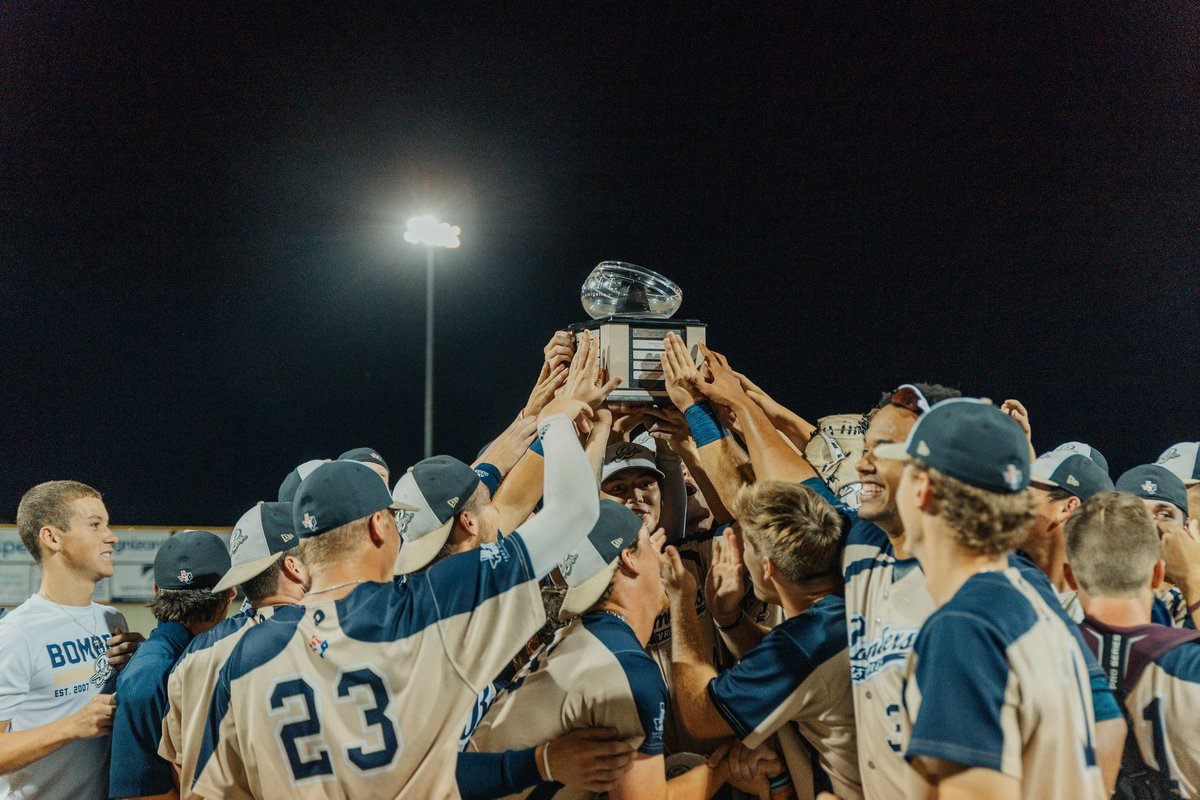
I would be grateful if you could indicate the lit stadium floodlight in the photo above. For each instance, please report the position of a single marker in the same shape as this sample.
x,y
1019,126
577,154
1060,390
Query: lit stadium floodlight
x,y
425,229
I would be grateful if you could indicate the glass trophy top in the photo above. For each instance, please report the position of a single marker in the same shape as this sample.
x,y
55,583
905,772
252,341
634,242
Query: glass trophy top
x,y
618,289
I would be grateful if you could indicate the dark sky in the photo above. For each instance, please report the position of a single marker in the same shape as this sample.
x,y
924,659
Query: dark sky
x,y
203,282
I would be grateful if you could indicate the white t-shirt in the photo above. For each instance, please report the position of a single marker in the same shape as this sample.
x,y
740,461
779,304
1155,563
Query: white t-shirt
x,y
50,668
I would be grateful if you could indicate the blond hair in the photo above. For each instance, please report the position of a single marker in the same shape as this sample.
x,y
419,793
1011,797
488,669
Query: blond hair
x,y
334,545
48,503
985,522
793,526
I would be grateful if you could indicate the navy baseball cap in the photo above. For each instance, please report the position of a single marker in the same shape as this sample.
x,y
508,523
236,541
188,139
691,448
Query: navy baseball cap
x,y
969,440
1155,482
1084,449
364,455
258,540
589,568
1071,472
191,560
336,494
287,489
1182,458
433,490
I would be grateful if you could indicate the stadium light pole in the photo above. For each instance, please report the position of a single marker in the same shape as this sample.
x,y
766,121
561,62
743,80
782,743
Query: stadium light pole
x,y
426,230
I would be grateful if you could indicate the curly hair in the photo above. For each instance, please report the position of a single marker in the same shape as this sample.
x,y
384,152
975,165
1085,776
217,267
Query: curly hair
x,y
986,523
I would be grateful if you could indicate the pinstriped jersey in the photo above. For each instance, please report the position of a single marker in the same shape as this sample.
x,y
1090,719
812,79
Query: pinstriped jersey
x,y
594,673
798,674
997,681
365,696
1162,696
189,690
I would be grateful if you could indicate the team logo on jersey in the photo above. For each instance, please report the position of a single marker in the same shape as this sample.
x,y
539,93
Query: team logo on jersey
x,y
492,554
661,718
186,577
1012,477
568,564
318,645
309,522
287,537
103,671
888,650
236,539
1150,487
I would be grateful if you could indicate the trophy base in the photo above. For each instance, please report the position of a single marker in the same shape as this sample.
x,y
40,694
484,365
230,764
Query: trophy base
x,y
632,348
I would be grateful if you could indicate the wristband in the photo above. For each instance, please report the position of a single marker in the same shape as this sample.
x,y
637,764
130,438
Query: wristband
x,y
732,625
489,474
537,447
546,761
703,424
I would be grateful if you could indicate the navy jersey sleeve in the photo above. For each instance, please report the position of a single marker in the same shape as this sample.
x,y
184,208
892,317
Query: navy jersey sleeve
x,y
958,719
136,769
746,694
649,695
465,581
1104,701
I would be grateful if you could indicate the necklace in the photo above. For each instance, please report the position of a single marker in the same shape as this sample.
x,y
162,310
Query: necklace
x,y
337,586
615,614
103,671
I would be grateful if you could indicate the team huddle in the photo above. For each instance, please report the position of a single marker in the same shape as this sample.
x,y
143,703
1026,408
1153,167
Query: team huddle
x,y
707,597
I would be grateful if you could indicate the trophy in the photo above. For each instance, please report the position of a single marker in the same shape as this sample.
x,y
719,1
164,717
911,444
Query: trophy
x,y
631,310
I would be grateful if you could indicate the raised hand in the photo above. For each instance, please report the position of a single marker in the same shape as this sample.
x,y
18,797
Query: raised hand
x,y
548,382
1181,552
559,349
677,580
586,379
680,373
509,446
721,384
1017,411
725,585
593,759
667,425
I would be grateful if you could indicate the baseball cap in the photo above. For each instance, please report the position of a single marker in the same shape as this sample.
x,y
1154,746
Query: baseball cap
x,y
1085,450
287,489
257,541
589,568
628,455
969,440
1155,482
434,489
1182,458
191,560
338,493
364,455
1071,472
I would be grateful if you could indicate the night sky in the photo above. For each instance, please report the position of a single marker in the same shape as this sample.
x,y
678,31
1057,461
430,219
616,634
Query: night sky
x,y
203,281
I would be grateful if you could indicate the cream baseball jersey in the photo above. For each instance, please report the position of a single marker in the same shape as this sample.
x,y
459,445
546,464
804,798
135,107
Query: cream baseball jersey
x,y
887,602
365,696
799,675
593,674
1156,669
997,681
190,688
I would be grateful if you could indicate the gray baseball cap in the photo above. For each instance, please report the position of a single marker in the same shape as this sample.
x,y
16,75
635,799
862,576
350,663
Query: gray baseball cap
x,y
434,490
1071,472
628,455
259,539
589,568
1182,458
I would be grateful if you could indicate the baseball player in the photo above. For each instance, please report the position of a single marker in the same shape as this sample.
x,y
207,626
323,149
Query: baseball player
x,y
370,457
799,672
287,489
362,690
1183,458
596,671
997,701
59,651
187,567
1165,496
265,562
1115,563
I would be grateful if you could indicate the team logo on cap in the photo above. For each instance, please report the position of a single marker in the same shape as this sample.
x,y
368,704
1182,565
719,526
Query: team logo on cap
x,y
1167,456
403,518
376,455
1071,479
186,577
452,502
568,564
309,522
922,448
617,543
238,537
1012,477
287,537
625,451
1150,487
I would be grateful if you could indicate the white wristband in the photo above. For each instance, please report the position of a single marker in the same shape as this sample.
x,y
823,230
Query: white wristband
x,y
546,761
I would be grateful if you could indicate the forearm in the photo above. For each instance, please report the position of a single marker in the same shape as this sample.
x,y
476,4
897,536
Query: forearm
x,y
721,515
673,518
797,429
698,783
772,457
691,672
20,749
1110,743
571,502
743,636
724,462
520,491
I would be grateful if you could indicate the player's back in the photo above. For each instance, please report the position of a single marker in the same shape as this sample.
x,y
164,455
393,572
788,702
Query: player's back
x,y
997,681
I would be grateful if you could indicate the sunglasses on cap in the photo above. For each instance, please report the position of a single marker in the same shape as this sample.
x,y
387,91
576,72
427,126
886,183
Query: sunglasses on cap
x,y
910,397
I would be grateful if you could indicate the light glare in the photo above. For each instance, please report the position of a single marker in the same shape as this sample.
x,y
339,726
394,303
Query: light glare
x,y
425,229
